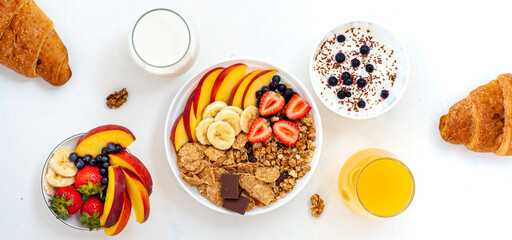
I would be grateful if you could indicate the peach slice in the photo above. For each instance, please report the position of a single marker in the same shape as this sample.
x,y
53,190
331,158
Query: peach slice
x,y
132,163
226,81
115,197
190,121
138,196
259,81
179,134
204,90
123,218
93,141
238,92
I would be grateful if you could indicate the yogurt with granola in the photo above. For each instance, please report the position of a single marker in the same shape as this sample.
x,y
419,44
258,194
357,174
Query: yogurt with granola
x,y
354,70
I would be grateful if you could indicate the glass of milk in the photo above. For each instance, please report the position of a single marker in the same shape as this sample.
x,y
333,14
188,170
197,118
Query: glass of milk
x,y
163,43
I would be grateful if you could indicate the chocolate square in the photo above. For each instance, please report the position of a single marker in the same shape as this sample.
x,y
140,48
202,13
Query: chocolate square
x,y
236,205
229,186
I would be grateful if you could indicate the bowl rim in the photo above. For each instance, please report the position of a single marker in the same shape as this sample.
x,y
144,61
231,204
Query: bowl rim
x,y
406,70
171,154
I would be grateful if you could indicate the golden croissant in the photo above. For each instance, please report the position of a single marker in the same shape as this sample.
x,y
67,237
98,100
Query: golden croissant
x,y
483,120
29,45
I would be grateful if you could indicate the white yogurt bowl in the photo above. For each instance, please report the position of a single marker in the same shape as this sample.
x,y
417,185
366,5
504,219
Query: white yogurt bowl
x,y
177,107
329,98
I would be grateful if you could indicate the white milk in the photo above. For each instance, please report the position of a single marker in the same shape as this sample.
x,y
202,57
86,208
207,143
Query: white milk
x,y
161,38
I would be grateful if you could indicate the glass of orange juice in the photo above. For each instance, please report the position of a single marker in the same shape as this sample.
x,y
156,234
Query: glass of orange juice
x,y
373,183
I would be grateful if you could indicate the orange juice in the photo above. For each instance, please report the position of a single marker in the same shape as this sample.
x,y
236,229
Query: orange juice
x,y
374,183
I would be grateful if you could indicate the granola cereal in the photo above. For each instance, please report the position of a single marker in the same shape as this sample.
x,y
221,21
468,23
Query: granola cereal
x,y
257,188
317,205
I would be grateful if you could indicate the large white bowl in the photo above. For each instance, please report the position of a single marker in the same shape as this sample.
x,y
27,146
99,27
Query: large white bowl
x,y
177,107
401,80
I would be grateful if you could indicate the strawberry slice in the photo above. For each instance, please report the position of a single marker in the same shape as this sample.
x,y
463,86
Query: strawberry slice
x,y
260,130
297,108
271,103
287,132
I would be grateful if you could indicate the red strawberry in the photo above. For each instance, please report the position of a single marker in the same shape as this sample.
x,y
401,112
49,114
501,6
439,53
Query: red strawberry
x,y
260,130
91,213
297,108
87,181
287,132
271,103
66,201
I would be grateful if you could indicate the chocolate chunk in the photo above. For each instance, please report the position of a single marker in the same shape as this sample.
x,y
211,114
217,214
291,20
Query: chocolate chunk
x,y
236,205
229,186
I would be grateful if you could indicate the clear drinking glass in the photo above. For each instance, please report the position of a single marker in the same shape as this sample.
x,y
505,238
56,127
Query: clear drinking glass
x,y
164,43
373,183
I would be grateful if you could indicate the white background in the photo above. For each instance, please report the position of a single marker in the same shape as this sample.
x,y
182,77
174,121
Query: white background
x,y
453,48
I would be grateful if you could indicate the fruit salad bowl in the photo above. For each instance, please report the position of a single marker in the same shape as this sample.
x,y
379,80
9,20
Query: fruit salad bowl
x,y
182,99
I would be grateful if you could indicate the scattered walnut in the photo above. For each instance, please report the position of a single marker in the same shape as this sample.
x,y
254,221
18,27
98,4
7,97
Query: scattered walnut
x,y
317,205
116,99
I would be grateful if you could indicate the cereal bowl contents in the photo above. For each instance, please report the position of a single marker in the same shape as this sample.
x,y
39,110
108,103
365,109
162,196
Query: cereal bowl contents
x,y
249,152
359,70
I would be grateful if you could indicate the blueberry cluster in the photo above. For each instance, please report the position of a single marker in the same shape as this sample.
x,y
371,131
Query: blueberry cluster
x,y
101,161
276,85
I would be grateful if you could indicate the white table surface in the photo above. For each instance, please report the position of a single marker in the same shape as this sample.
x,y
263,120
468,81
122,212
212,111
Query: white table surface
x,y
453,48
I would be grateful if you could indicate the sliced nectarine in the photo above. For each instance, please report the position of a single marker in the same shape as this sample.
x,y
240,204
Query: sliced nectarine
x,y
257,83
204,90
190,120
93,141
123,218
226,81
114,198
132,163
238,92
179,134
138,196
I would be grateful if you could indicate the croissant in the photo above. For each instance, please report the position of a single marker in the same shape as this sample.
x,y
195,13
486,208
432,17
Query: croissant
x,y
29,45
483,120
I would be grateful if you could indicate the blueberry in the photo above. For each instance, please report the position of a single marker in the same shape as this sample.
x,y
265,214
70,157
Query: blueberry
x,y
364,50
104,158
73,157
348,94
103,196
111,147
259,94
104,181
258,103
361,104
340,57
79,164
341,95
86,158
384,94
355,63
273,86
265,89
341,38
118,148
345,75
348,82
281,88
104,151
288,93
369,68
98,158
332,81
103,172
276,78
361,83
105,165
93,162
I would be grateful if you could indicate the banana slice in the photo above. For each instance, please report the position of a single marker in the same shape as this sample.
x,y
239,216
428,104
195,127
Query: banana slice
x,y
56,180
47,188
202,129
230,117
247,117
213,108
234,109
60,163
221,135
